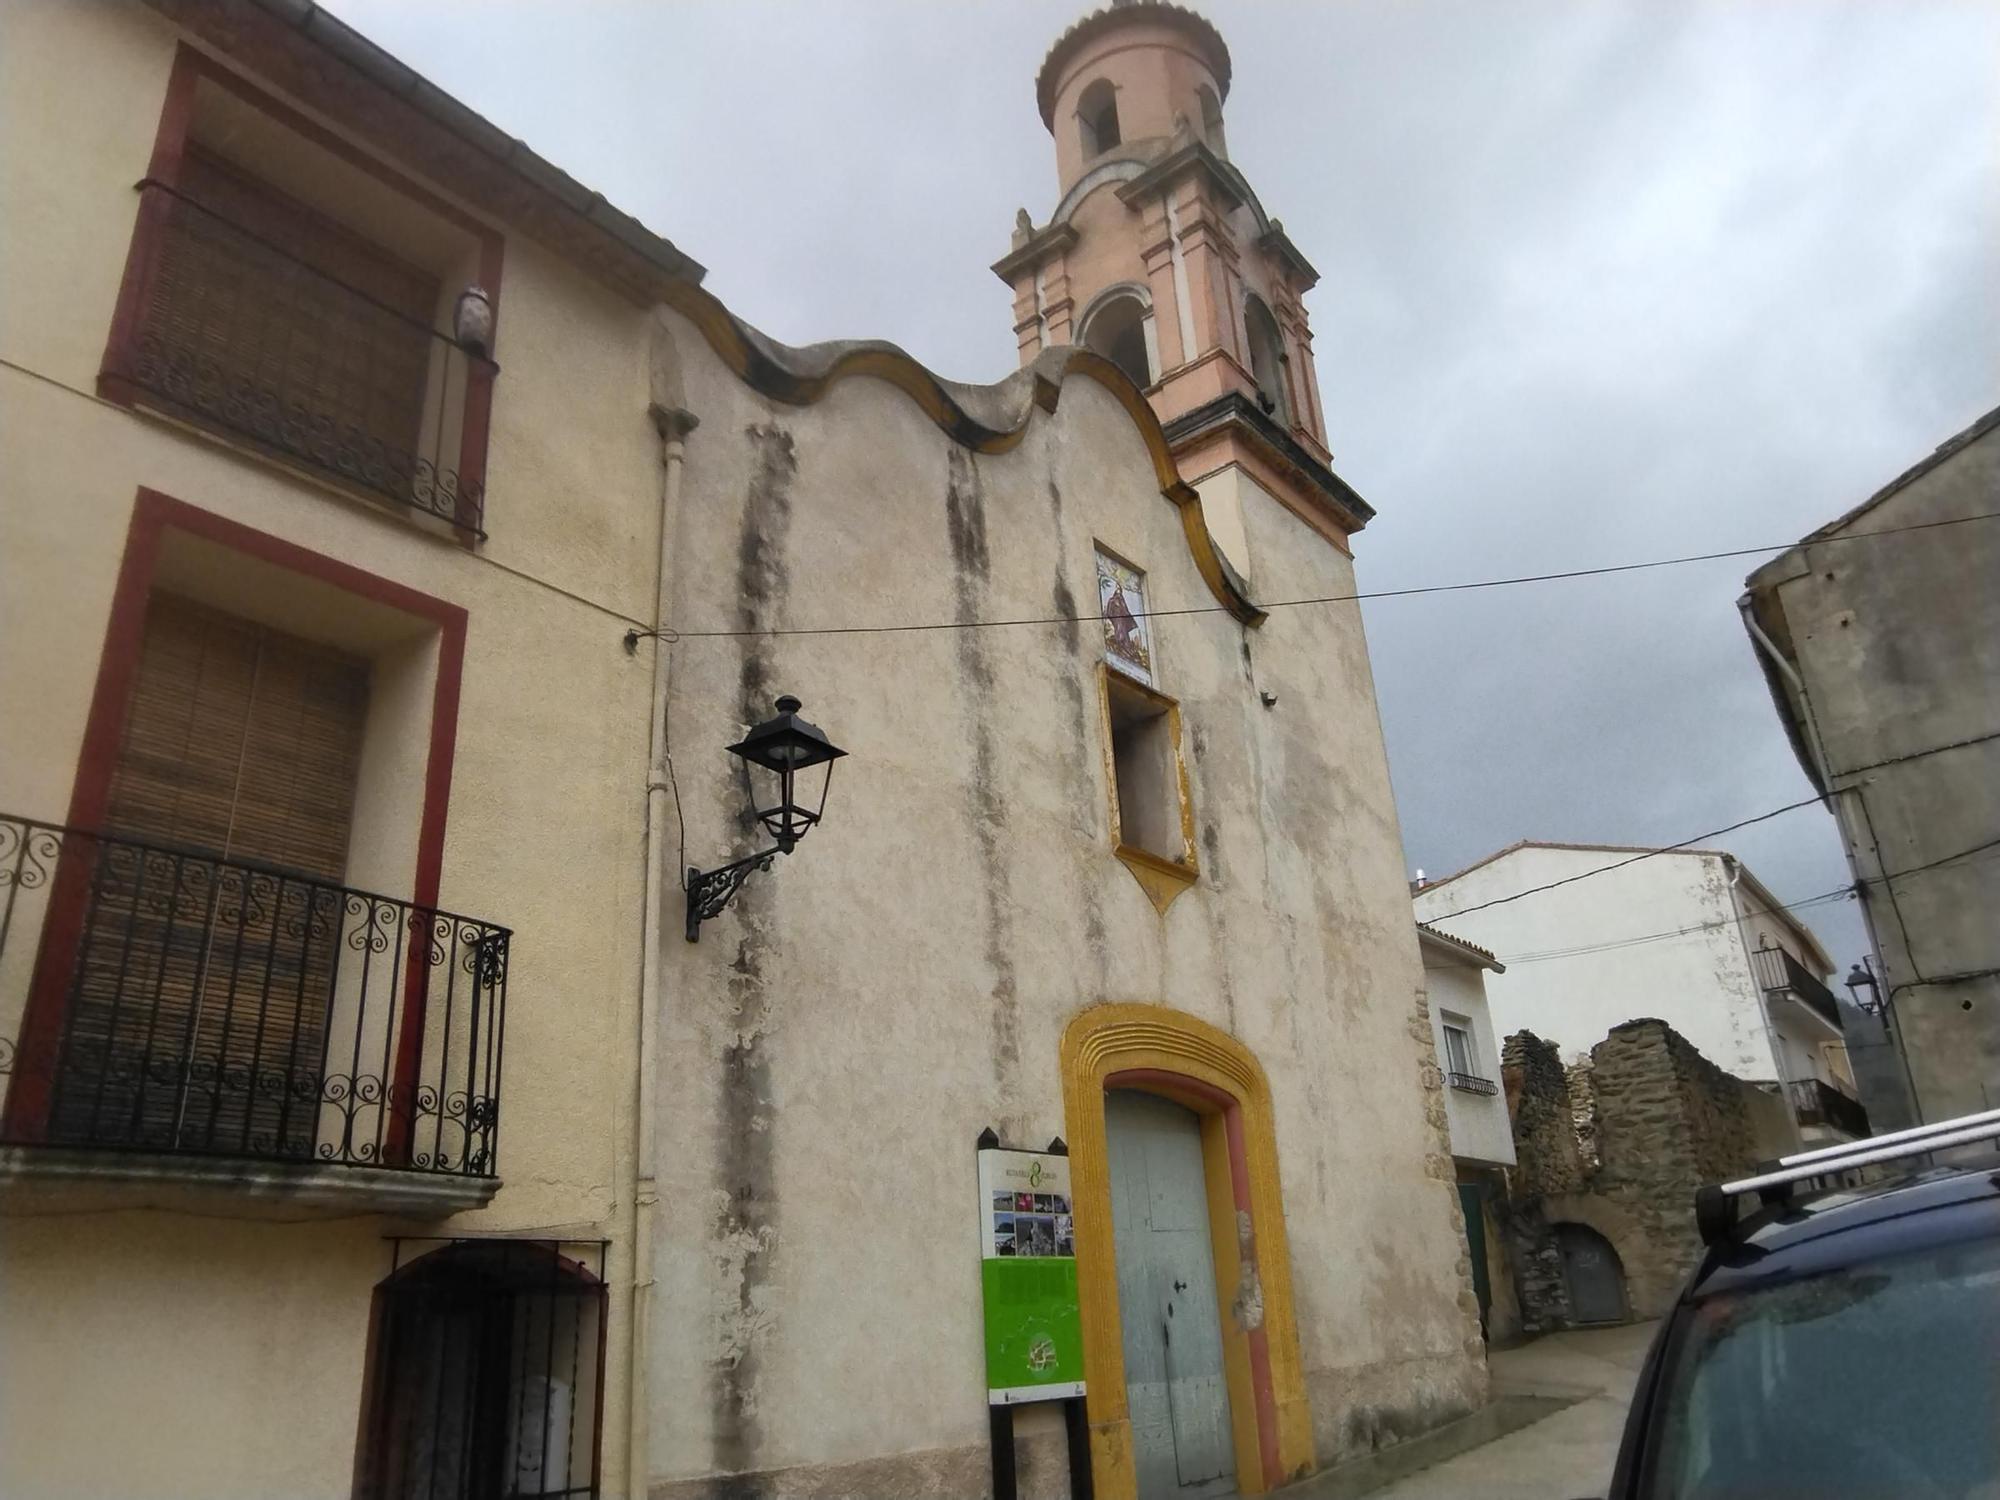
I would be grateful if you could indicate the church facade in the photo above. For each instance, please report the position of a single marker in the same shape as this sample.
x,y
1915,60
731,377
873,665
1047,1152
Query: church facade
x,y
389,808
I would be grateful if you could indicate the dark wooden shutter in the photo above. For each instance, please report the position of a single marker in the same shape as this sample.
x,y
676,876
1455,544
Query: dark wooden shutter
x,y
284,325
211,941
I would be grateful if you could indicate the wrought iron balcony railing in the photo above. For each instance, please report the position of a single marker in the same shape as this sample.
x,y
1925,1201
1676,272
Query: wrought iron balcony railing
x,y
1778,970
237,334
162,1000
1817,1102
1471,1083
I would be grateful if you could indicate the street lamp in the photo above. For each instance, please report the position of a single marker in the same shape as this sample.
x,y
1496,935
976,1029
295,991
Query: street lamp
x,y
784,746
1860,978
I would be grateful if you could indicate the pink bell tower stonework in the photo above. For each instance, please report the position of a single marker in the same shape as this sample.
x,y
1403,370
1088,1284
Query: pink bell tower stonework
x,y
1159,257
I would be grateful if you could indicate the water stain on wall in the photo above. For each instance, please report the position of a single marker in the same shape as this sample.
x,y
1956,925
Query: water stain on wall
x,y
746,1227
972,566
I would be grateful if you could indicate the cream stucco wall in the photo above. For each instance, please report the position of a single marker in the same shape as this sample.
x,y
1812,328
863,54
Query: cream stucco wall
x,y
1698,982
837,1039
226,1356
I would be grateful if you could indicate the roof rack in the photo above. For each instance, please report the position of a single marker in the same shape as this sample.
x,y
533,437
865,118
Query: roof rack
x,y
1715,1207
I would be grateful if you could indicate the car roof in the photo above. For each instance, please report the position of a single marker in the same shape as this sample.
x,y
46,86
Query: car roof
x,y
1845,1225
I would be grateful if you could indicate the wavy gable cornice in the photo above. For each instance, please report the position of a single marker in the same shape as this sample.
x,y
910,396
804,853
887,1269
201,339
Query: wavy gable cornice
x,y
984,418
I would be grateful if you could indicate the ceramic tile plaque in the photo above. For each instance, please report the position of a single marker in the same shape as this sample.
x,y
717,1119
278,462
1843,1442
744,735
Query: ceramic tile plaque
x,y
1128,634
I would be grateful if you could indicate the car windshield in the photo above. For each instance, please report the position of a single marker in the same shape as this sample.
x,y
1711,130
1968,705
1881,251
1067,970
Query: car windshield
x,y
1877,1381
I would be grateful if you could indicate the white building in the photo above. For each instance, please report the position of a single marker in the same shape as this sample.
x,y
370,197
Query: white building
x,y
1475,1109
1690,937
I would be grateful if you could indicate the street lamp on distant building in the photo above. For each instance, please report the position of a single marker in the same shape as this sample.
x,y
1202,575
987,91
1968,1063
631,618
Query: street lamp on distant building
x,y
1860,978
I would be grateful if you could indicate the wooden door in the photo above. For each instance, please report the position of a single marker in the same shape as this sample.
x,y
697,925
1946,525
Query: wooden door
x,y
1595,1276
204,978
1175,1389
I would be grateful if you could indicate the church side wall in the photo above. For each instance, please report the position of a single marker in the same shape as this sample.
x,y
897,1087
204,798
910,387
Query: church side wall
x,y
835,1042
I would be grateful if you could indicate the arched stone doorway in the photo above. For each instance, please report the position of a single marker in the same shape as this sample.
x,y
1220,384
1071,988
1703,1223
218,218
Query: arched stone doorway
x,y
1593,1274
1215,1080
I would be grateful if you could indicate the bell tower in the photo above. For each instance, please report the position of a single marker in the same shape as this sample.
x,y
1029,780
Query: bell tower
x,y
1159,256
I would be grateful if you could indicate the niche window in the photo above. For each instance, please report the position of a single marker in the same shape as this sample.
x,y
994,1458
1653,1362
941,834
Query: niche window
x,y
1211,122
1097,118
1267,358
1120,329
1152,816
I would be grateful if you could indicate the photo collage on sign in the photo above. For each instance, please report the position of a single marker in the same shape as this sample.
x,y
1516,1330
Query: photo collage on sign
x,y
1027,1224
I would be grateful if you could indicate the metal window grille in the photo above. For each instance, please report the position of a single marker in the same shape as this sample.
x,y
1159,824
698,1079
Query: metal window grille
x,y
250,327
487,1373
168,1000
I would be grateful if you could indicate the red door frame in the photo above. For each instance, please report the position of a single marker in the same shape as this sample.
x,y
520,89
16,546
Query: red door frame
x,y
153,515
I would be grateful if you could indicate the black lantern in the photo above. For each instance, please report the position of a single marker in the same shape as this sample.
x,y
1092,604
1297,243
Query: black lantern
x,y
785,746
1860,978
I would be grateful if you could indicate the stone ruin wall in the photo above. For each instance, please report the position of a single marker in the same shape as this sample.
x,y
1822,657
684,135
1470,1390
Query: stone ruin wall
x,y
1618,1144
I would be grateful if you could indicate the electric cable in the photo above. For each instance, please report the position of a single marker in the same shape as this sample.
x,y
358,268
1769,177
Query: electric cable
x,y
917,627
1838,893
1535,890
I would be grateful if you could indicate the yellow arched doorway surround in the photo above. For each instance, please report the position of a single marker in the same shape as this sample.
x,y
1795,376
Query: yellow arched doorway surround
x,y
1170,1053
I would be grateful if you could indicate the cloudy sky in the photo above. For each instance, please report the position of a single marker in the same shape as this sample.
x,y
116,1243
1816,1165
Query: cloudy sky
x,y
1601,282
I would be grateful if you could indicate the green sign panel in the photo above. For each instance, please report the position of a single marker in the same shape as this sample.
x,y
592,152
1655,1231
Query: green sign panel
x,y
1034,1337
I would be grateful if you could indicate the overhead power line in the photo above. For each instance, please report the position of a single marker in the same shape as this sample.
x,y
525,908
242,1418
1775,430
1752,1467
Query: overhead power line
x,y
1535,890
915,627
1838,893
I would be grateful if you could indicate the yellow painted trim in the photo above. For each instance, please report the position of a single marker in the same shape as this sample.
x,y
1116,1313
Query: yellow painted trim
x,y
1110,1039
1160,878
779,374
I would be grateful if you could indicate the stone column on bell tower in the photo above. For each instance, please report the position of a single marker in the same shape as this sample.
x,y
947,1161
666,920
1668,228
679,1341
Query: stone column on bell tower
x,y
1159,256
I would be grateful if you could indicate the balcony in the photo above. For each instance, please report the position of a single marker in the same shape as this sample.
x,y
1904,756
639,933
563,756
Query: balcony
x,y
176,1027
1817,1103
1777,971
1471,1083
233,332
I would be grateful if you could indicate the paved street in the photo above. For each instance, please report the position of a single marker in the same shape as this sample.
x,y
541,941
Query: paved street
x,y
1561,1457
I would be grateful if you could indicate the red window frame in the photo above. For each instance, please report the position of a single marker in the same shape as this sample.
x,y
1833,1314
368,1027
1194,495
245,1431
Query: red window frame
x,y
153,515
191,68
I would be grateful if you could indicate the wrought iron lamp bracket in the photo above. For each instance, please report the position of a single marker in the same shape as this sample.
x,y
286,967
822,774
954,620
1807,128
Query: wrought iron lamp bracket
x,y
709,891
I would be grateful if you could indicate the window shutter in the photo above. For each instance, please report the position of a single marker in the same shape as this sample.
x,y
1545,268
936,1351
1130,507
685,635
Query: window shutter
x,y
202,988
280,322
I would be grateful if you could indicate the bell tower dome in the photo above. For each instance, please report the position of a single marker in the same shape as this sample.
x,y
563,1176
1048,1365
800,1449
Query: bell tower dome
x,y
1159,257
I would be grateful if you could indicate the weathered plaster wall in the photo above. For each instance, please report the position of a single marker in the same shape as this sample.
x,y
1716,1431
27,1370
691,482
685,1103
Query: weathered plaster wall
x,y
836,1040
1700,982
237,1347
1664,1120
1897,640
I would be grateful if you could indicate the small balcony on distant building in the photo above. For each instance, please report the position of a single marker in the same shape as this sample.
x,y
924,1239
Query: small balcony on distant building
x,y
265,323
1820,1105
1471,1083
176,1027
1780,973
